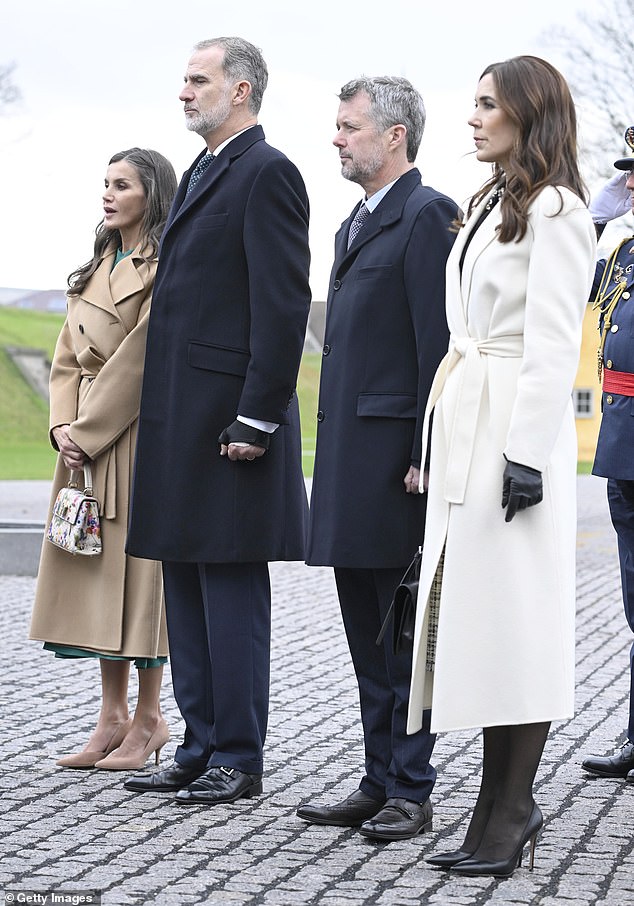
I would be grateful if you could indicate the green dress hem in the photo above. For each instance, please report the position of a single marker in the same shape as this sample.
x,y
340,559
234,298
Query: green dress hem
x,y
66,651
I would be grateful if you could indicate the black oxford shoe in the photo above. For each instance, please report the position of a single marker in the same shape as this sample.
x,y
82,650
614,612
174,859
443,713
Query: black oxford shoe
x,y
351,812
630,777
166,781
399,819
618,765
219,785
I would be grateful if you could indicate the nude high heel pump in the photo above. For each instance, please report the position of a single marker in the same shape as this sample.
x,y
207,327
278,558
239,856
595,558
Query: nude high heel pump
x,y
89,758
122,762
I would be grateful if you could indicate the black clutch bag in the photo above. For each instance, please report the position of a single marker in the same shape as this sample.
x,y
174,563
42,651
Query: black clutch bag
x,y
402,610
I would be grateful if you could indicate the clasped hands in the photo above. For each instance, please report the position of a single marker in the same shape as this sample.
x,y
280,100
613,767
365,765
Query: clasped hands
x,y
72,455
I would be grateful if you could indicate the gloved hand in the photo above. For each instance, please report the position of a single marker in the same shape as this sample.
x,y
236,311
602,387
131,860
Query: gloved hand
x,y
521,487
240,433
614,199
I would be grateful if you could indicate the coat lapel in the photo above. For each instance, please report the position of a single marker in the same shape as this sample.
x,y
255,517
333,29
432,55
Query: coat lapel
x,y
388,211
183,203
109,287
97,291
459,284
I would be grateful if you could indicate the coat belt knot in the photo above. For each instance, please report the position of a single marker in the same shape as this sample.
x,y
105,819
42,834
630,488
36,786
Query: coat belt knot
x,y
470,353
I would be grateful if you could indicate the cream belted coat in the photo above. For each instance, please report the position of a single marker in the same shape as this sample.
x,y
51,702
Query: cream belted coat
x,y
505,644
111,603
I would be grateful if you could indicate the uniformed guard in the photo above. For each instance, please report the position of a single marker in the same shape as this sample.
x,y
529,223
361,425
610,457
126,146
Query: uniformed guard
x,y
613,298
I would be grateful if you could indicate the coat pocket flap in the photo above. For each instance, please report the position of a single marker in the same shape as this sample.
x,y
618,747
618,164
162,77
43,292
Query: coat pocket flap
x,y
374,272
218,358
387,405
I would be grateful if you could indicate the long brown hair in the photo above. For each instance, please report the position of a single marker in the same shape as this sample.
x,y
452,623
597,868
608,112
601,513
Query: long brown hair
x,y
159,184
537,99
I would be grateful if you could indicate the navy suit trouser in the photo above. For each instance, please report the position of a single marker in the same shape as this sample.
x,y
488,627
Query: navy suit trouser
x,y
219,629
396,765
621,501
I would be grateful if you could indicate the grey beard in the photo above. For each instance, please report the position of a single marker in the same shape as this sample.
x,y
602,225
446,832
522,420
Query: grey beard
x,y
204,123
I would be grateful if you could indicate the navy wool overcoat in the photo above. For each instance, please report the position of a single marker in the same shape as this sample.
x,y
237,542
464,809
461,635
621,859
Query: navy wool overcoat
x,y
226,332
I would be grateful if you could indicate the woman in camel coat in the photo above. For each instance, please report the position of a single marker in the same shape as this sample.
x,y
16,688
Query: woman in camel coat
x,y
109,606
501,510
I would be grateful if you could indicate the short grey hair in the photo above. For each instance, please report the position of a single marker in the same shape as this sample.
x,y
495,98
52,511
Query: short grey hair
x,y
242,60
393,100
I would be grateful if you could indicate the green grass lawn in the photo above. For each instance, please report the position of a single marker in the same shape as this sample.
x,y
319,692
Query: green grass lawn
x,y
25,452
308,394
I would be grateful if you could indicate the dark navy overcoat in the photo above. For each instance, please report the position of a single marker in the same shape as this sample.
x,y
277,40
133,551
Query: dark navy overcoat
x,y
613,457
386,332
226,333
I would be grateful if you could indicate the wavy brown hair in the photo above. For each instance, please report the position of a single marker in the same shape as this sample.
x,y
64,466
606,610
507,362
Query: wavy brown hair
x,y
536,98
159,184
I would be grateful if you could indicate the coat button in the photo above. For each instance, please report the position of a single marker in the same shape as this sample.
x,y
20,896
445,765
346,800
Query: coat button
x,y
326,349
609,400
81,328
614,328
625,296
336,284
608,364
320,416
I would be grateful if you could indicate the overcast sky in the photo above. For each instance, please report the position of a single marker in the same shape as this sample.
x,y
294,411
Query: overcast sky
x,y
97,78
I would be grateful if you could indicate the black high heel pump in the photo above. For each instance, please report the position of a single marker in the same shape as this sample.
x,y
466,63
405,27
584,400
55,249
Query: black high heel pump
x,y
504,868
448,860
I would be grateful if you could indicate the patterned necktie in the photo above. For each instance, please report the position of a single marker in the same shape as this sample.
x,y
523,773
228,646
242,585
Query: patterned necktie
x,y
198,171
359,219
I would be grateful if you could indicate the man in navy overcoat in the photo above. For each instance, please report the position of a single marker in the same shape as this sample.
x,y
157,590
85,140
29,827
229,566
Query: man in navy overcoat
x,y
385,335
613,296
218,488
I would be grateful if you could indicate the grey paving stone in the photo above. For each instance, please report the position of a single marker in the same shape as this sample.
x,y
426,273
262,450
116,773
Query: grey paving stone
x,y
82,830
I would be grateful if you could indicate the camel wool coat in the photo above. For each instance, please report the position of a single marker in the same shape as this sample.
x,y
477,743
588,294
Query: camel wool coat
x,y
505,643
111,603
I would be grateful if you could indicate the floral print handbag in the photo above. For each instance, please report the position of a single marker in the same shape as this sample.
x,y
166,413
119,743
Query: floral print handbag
x,y
74,524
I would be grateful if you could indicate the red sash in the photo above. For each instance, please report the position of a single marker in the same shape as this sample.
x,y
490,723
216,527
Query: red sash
x,y
621,382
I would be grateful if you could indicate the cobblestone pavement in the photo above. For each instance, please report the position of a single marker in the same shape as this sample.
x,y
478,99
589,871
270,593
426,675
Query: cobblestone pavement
x,y
73,831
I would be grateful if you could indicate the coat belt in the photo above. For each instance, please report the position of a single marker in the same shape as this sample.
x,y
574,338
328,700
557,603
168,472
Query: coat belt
x,y
471,353
620,382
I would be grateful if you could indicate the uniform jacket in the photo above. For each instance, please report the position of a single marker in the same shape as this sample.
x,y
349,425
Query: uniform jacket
x,y
386,332
613,457
111,603
505,644
225,338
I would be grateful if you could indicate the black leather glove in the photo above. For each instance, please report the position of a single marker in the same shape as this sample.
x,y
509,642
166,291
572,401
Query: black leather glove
x,y
521,487
238,432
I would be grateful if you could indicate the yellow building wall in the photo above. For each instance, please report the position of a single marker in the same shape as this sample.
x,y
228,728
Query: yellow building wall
x,y
587,380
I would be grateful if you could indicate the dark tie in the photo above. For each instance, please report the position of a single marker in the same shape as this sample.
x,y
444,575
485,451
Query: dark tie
x,y
359,219
198,171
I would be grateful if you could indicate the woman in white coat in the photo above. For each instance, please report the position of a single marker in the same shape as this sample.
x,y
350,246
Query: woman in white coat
x,y
497,651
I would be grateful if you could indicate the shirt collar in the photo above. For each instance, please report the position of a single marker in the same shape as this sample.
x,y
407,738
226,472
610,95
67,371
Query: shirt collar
x,y
224,144
373,201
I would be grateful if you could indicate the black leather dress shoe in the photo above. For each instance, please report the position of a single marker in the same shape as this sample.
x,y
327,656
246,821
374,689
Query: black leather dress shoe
x,y
351,812
618,765
166,781
218,785
399,819
630,777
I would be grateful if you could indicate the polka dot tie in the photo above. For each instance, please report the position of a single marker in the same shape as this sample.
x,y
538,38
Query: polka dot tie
x,y
359,219
198,171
